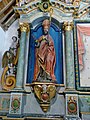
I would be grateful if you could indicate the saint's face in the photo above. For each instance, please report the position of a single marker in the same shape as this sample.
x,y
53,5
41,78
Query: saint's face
x,y
46,30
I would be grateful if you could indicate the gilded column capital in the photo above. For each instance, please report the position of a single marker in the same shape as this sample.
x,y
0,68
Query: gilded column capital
x,y
24,27
68,26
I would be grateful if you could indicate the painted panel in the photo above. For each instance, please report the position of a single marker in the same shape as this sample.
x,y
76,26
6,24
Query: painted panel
x,y
4,102
84,104
82,54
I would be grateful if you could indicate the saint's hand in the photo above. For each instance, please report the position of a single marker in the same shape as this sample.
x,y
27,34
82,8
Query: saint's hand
x,y
37,44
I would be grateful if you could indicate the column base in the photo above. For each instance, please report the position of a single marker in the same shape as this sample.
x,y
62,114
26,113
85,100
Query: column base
x,y
18,89
71,91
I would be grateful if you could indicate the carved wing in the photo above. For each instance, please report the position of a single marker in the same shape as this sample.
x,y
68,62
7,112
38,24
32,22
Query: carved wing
x,y
5,60
38,90
51,90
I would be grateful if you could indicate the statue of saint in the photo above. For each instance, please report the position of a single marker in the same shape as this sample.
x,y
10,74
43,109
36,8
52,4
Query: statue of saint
x,y
45,56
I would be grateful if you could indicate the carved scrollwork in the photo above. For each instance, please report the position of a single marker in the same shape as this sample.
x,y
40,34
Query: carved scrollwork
x,y
9,63
8,82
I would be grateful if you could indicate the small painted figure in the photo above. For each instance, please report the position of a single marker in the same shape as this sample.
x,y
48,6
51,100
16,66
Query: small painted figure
x,y
45,56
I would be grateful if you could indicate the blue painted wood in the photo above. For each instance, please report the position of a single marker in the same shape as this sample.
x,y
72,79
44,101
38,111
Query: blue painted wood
x,y
56,35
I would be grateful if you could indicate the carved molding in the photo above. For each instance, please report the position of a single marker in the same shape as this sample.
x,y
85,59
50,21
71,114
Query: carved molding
x,y
46,5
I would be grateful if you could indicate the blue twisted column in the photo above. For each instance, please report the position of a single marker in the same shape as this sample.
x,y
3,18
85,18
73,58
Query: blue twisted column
x,y
24,27
69,55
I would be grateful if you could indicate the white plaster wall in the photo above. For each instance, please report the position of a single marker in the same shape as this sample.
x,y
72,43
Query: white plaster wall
x,y
6,41
2,46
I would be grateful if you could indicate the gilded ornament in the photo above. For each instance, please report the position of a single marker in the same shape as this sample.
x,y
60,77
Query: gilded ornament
x,y
38,90
75,13
44,93
51,90
45,106
24,27
76,2
68,26
45,6
17,2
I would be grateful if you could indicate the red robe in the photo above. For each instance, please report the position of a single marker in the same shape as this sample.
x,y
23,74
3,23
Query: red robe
x,y
45,57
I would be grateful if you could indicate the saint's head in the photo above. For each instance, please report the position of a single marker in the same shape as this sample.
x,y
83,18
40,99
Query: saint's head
x,y
46,25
